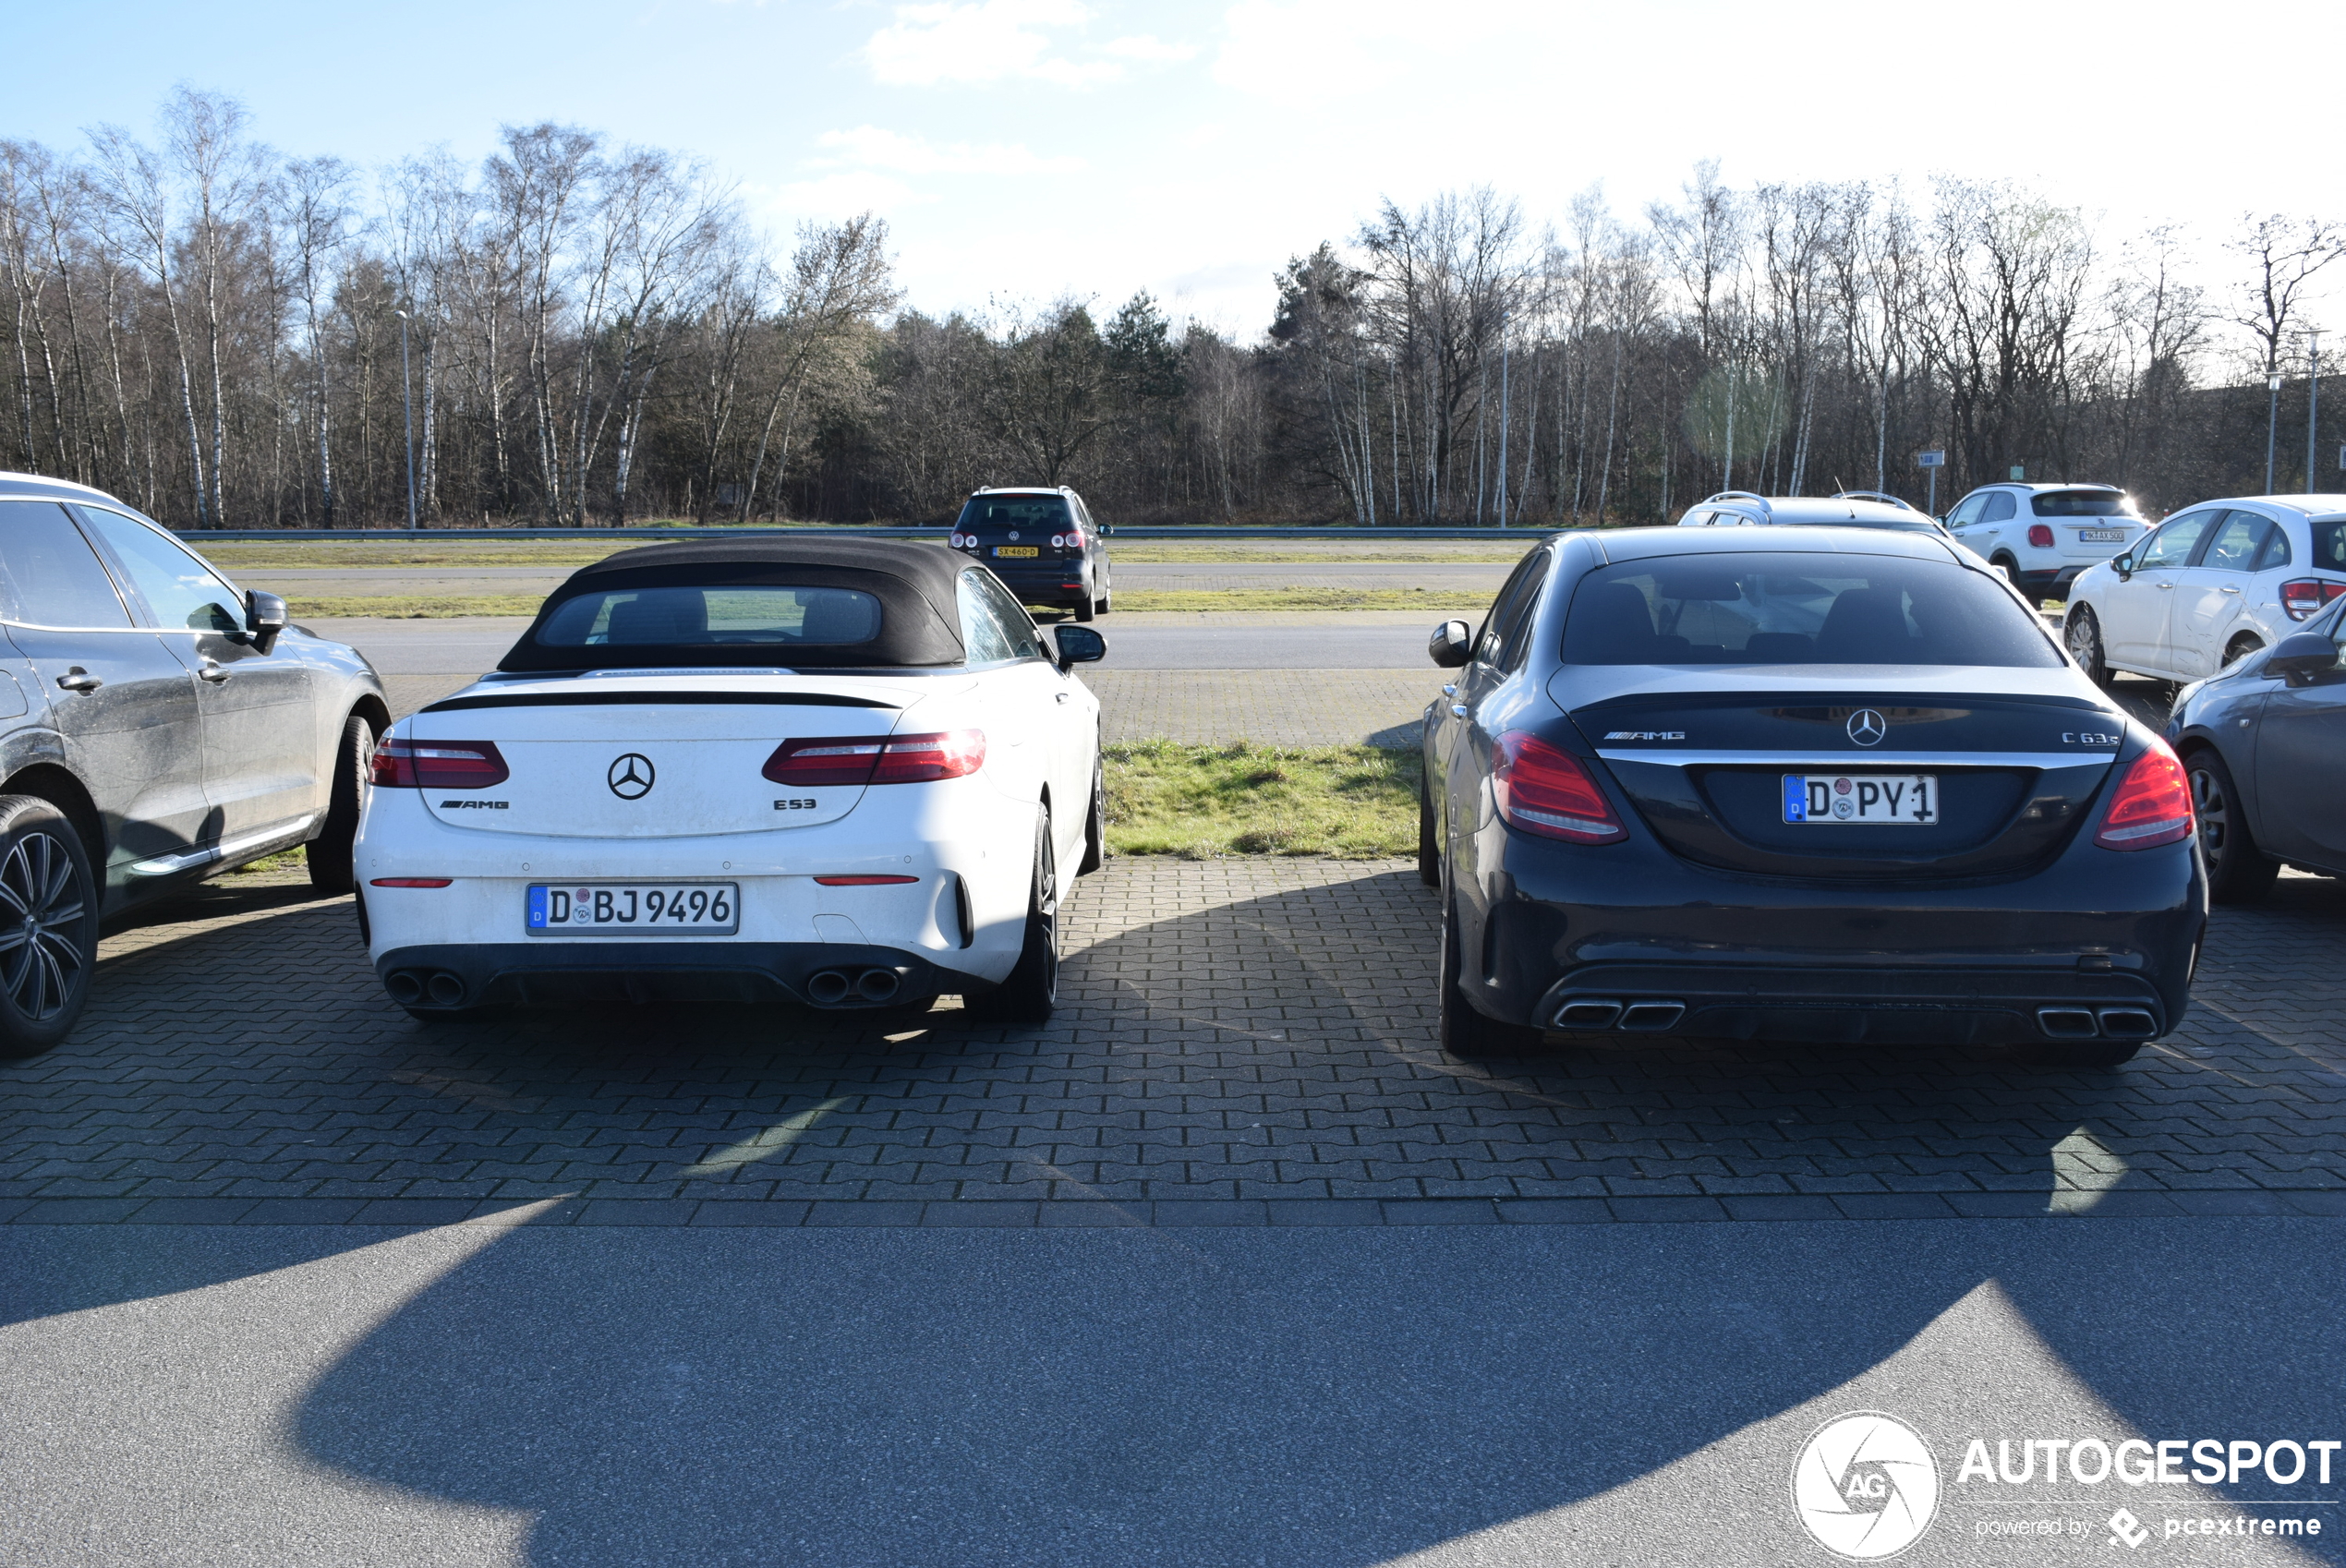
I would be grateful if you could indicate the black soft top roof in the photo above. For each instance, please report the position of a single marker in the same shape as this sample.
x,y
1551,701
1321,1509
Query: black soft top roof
x,y
920,620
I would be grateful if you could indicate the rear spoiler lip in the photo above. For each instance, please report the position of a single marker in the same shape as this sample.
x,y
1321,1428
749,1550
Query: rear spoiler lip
x,y
656,699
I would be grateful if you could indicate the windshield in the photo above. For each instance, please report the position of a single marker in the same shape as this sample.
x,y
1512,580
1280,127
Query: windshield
x,y
1013,511
1799,609
2082,504
685,617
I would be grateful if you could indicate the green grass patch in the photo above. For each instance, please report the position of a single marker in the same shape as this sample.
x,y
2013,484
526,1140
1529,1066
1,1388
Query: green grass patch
x,y
295,859
1202,802
405,608
1433,601
559,554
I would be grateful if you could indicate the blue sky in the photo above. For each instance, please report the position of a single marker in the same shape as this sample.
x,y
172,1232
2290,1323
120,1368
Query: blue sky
x,y
1023,149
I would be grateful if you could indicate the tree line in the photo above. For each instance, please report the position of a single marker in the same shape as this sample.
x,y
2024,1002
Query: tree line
x,y
573,332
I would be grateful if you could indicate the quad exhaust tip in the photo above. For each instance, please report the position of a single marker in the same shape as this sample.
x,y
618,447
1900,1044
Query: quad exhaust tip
x,y
407,988
832,987
827,987
1587,1014
414,987
2087,1024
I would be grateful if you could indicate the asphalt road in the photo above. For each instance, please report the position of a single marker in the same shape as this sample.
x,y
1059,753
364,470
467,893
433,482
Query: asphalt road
x,y
432,580
1373,640
607,1398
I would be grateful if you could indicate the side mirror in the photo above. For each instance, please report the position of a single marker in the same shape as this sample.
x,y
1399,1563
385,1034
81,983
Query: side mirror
x,y
1106,529
1079,644
2301,657
264,618
2124,565
1451,645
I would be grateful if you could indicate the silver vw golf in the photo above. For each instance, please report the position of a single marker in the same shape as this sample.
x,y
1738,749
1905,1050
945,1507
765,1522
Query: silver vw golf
x,y
156,728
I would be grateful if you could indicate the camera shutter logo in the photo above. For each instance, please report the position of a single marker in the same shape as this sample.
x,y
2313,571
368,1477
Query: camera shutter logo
x,y
1867,727
631,776
1864,1485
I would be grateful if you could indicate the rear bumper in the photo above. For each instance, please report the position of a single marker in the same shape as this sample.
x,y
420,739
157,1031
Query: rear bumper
x,y
1050,585
2052,581
835,976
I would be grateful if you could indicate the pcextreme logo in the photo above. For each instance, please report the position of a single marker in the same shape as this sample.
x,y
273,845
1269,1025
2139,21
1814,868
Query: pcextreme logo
x,y
1865,1485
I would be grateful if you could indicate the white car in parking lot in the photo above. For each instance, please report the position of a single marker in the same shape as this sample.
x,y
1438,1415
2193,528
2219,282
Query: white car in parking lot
x,y
846,775
2044,535
2214,583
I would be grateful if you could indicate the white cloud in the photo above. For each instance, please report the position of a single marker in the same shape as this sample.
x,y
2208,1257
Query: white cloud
x,y
987,41
1148,46
876,148
845,194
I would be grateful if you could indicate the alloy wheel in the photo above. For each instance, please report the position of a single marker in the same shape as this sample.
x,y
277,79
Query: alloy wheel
x,y
2214,812
41,914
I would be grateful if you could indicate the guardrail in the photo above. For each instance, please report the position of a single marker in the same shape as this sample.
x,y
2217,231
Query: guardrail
x,y
654,535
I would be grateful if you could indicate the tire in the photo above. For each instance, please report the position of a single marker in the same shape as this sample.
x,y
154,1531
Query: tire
x,y
330,852
2238,872
48,926
1429,845
1032,992
1085,608
1468,1035
1094,826
2082,634
2082,1055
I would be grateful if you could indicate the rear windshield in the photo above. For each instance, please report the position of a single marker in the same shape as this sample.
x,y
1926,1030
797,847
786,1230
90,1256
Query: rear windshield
x,y
2330,544
1013,511
2082,503
1799,609
685,617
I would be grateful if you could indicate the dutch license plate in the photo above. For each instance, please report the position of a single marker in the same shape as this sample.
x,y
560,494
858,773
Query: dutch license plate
x,y
633,909
1023,552
2102,535
1881,799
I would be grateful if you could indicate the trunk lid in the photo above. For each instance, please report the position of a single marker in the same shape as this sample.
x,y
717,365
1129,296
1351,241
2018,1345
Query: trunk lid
x,y
657,754
2015,775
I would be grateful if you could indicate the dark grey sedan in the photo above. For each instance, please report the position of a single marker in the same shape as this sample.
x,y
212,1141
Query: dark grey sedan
x,y
2264,744
156,728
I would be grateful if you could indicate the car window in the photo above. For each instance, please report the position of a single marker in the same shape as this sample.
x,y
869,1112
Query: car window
x,y
994,626
2231,545
1966,511
1486,642
2171,546
1999,507
707,617
2329,543
2276,551
1018,627
49,575
1787,607
182,592
1503,645
2081,503
1022,512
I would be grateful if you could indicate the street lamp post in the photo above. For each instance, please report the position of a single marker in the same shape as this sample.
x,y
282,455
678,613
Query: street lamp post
x,y
407,408
2273,423
2312,401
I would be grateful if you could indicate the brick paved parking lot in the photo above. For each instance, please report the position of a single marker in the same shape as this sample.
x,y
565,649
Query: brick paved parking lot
x,y
1244,1041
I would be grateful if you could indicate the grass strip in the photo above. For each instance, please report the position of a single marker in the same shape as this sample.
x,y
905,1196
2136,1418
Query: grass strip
x,y
404,607
554,554
1203,803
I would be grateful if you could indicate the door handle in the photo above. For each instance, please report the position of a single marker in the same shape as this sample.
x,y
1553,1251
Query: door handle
x,y
2231,590
1459,709
1451,690
78,679
212,672
2166,587
1059,697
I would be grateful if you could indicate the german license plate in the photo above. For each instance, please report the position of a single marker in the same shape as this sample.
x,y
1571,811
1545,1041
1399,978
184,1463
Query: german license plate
x,y
1020,552
2102,535
633,909
1881,799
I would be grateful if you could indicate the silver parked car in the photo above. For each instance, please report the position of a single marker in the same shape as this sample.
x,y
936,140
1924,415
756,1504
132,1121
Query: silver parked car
x,y
156,728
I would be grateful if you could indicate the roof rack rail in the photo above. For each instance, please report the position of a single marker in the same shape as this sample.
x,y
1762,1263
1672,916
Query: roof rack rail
x,y
1882,496
1735,495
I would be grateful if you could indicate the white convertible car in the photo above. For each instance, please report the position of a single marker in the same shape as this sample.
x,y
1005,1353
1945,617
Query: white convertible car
x,y
842,773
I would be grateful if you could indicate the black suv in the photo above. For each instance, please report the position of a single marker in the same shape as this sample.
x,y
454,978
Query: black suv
x,y
1041,542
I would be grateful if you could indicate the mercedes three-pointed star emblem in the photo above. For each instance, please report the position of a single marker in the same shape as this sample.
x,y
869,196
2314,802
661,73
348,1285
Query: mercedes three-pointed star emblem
x,y
631,776
1865,727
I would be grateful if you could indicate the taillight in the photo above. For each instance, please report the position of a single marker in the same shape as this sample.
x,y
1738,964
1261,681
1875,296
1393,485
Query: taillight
x,y
2306,595
2040,535
410,763
1543,790
2152,805
877,759
411,882
957,541
1074,540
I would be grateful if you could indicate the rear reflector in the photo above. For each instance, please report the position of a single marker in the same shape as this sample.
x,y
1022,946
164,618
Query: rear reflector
x,y
411,882
2305,596
1543,790
407,764
2040,535
864,881
877,759
2152,805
